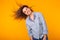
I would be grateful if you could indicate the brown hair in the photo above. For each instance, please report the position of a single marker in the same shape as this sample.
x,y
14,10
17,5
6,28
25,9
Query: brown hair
x,y
19,14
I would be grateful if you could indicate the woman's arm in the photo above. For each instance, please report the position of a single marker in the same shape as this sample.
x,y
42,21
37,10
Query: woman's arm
x,y
43,25
29,32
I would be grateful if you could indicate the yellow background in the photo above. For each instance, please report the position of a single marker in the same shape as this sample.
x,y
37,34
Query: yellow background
x,y
11,29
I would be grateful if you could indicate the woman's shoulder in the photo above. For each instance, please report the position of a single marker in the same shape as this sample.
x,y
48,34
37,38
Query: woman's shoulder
x,y
37,13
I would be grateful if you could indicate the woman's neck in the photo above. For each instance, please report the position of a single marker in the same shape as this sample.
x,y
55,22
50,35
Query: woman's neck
x,y
31,16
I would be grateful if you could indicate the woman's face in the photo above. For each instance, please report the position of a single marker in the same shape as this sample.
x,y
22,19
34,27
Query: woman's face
x,y
27,11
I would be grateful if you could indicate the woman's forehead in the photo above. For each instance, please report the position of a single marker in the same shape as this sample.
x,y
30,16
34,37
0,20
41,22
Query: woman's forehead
x,y
24,9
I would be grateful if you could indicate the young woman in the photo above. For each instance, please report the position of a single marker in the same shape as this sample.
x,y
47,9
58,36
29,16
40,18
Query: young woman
x,y
35,23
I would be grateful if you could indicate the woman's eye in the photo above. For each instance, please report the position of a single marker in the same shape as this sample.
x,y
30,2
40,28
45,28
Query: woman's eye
x,y
24,11
26,8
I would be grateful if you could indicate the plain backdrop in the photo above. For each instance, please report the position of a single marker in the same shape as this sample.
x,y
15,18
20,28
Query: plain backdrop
x,y
12,29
